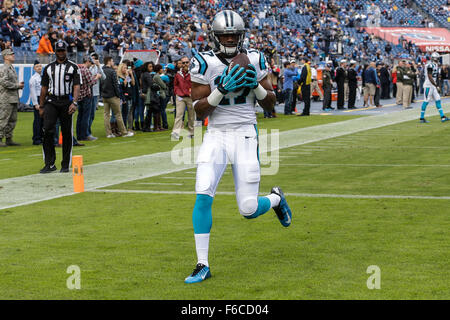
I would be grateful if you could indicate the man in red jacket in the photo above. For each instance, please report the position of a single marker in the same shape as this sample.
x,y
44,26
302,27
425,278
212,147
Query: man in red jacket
x,y
182,90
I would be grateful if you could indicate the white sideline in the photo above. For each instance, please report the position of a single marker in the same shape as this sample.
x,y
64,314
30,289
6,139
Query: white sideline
x,y
34,188
309,195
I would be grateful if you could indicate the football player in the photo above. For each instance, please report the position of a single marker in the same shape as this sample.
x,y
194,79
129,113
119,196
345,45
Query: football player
x,y
430,88
228,98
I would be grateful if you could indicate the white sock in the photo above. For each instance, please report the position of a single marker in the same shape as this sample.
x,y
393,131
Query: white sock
x,y
202,247
274,199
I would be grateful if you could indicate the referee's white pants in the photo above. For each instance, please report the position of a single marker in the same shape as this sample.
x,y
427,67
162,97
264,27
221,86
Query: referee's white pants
x,y
239,146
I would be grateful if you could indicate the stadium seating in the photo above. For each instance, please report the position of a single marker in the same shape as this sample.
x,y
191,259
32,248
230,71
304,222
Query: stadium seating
x,y
296,19
435,8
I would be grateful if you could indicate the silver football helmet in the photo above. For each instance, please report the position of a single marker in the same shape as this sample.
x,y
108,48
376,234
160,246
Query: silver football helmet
x,y
435,57
228,22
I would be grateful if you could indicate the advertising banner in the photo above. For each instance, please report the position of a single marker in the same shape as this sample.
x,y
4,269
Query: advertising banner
x,y
427,39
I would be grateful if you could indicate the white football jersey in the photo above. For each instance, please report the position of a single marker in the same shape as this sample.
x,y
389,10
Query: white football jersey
x,y
435,73
235,107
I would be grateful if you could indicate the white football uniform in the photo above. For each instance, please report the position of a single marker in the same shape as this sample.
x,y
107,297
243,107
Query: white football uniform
x,y
232,135
236,107
430,91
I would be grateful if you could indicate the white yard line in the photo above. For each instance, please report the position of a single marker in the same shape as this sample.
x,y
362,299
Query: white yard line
x,y
160,183
179,178
309,195
365,165
123,142
34,188
90,147
295,157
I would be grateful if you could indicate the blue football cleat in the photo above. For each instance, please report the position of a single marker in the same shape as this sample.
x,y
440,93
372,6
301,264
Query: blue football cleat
x,y
444,119
423,120
283,211
201,272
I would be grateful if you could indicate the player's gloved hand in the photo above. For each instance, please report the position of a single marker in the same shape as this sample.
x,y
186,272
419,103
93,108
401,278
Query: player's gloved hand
x,y
251,80
232,81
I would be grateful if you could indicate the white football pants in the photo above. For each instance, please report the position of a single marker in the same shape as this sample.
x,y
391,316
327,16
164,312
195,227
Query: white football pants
x,y
237,144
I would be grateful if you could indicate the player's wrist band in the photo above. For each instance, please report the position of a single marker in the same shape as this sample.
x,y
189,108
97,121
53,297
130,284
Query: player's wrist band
x,y
215,97
260,92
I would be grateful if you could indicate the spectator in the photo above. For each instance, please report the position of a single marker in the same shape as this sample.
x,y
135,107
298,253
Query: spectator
x,y
445,80
371,81
399,96
163,93
352,84
85,99
394,81
111,100
150,96
35,92
408,80
138,102
126,82
97,71
34,41
45,47
182,89
290,71
385,82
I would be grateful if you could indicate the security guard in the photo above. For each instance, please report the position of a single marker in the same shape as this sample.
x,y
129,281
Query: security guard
x,y
61,81
305,83
9,98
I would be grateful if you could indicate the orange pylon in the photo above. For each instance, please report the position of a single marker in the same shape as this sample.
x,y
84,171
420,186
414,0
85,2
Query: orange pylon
x,y
78,176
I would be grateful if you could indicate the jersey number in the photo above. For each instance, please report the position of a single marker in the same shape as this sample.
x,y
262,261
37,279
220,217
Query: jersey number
x,y
241,99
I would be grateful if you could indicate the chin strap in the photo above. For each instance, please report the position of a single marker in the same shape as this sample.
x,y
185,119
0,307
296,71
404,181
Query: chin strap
x,y
228,51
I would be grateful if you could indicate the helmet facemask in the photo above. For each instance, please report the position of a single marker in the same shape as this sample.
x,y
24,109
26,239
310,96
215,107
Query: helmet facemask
x,y
228,49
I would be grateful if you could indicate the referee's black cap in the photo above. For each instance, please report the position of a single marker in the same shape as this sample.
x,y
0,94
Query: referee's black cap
x,y
61,46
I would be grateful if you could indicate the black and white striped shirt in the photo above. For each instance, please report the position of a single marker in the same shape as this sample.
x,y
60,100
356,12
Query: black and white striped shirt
x,y
60,78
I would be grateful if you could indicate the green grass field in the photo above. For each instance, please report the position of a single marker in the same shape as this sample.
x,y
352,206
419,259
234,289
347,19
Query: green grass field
x,y
131,245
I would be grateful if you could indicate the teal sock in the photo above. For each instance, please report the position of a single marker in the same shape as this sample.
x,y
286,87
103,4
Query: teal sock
x,y
202,214
439,107
263,207
424,107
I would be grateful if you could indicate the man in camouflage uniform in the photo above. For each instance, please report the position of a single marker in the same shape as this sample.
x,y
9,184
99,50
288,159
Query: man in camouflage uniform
x,y
9,98
327,85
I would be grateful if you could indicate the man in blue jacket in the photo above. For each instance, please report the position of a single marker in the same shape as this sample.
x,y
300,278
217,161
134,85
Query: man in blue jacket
x,y
290,71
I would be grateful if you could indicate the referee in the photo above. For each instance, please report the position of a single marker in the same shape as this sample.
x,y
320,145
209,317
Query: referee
x,y
60,88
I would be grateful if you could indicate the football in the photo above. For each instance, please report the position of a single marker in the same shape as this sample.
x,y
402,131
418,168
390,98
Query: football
x,y
241,59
